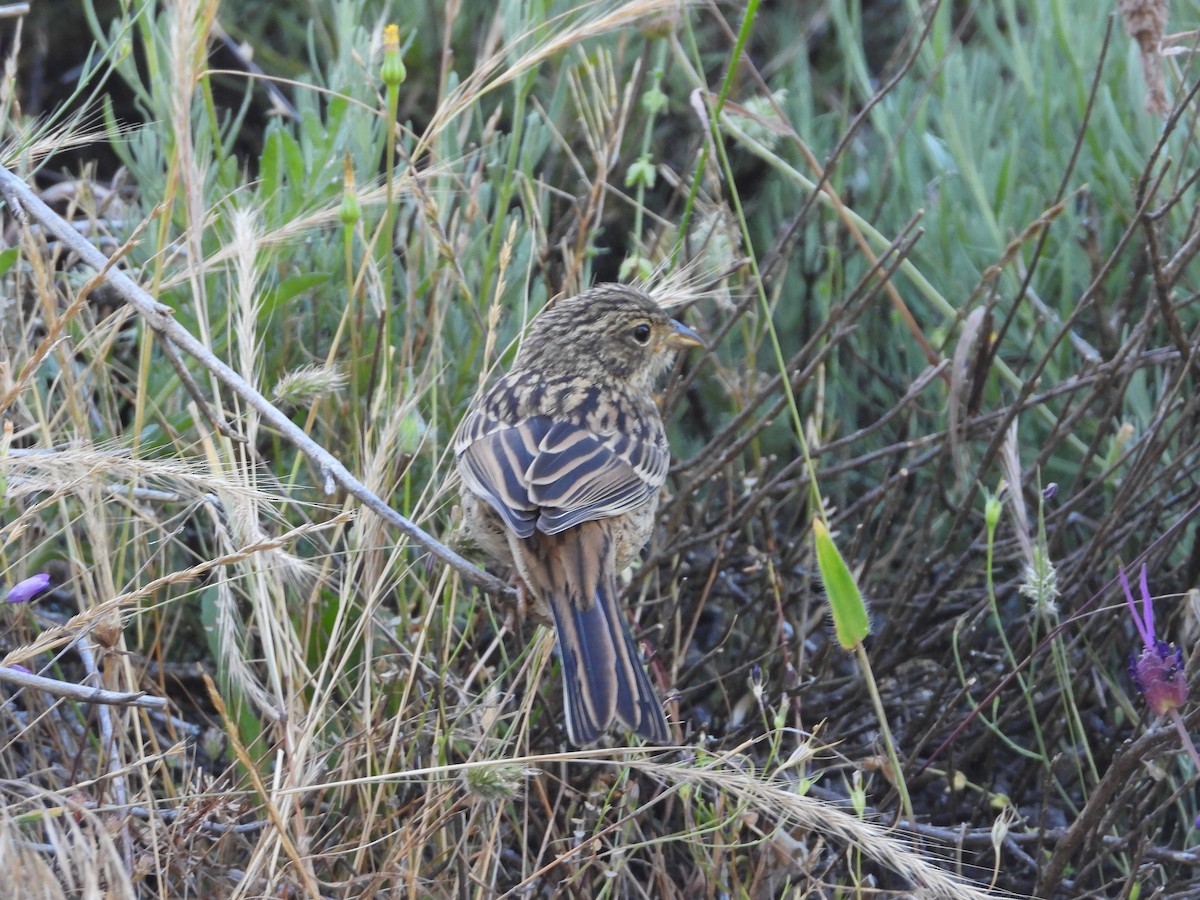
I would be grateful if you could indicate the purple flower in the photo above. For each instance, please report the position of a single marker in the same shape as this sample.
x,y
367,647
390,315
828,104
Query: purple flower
x,y
26,590
1158,670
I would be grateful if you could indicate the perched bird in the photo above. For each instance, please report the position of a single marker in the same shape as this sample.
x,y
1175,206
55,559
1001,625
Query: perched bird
x,y
562,460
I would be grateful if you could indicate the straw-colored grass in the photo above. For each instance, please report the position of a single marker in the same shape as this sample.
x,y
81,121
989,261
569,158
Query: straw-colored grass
x,y
948,252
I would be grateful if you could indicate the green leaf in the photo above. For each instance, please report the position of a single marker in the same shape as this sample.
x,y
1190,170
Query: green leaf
x,y
288,289
270,166
7,258
281,170
845,600
293,161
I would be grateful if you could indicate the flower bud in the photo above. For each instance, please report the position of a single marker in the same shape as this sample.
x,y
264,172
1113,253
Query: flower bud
x,y
24,591
392,71
1158,673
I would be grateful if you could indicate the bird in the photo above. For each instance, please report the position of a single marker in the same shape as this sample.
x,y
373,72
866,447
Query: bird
x,y
562,461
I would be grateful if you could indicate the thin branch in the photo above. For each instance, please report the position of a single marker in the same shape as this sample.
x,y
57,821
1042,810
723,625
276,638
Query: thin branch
x,y
159,317
80,692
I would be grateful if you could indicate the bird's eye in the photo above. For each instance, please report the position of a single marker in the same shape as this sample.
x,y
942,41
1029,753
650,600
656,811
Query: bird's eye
x,y
641,333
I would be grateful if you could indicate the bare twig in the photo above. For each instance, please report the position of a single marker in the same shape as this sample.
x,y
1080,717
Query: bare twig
x,y
108,740
161,318
80,692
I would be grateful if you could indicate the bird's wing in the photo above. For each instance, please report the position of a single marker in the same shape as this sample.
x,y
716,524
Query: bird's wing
x,y
578,476
493,459
554,474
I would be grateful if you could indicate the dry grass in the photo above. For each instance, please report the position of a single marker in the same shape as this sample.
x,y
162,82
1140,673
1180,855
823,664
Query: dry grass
x,y
349,718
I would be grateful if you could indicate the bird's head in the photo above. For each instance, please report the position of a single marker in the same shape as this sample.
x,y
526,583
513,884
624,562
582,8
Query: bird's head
x,y
608,332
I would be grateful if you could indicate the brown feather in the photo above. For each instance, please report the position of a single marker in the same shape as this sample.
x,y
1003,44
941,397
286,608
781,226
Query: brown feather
x,y
565,456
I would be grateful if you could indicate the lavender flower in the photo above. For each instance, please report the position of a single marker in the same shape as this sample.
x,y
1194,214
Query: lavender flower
x,y
1158,671
24,591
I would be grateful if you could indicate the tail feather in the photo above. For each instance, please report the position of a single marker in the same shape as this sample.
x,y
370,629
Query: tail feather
x,y
603,678
638,706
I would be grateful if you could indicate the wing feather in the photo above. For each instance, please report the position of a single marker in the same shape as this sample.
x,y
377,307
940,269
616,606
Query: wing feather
x,y
553,475
493,466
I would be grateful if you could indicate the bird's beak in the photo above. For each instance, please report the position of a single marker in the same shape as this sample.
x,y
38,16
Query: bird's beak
x,y
682,337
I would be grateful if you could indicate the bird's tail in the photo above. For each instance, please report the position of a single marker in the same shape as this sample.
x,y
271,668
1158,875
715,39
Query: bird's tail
x,y
603,677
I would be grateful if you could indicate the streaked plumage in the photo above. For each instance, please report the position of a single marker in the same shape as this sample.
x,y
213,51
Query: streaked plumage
x,y
562,461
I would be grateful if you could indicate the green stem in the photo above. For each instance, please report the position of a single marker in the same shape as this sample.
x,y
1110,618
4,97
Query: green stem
x,y
888,742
